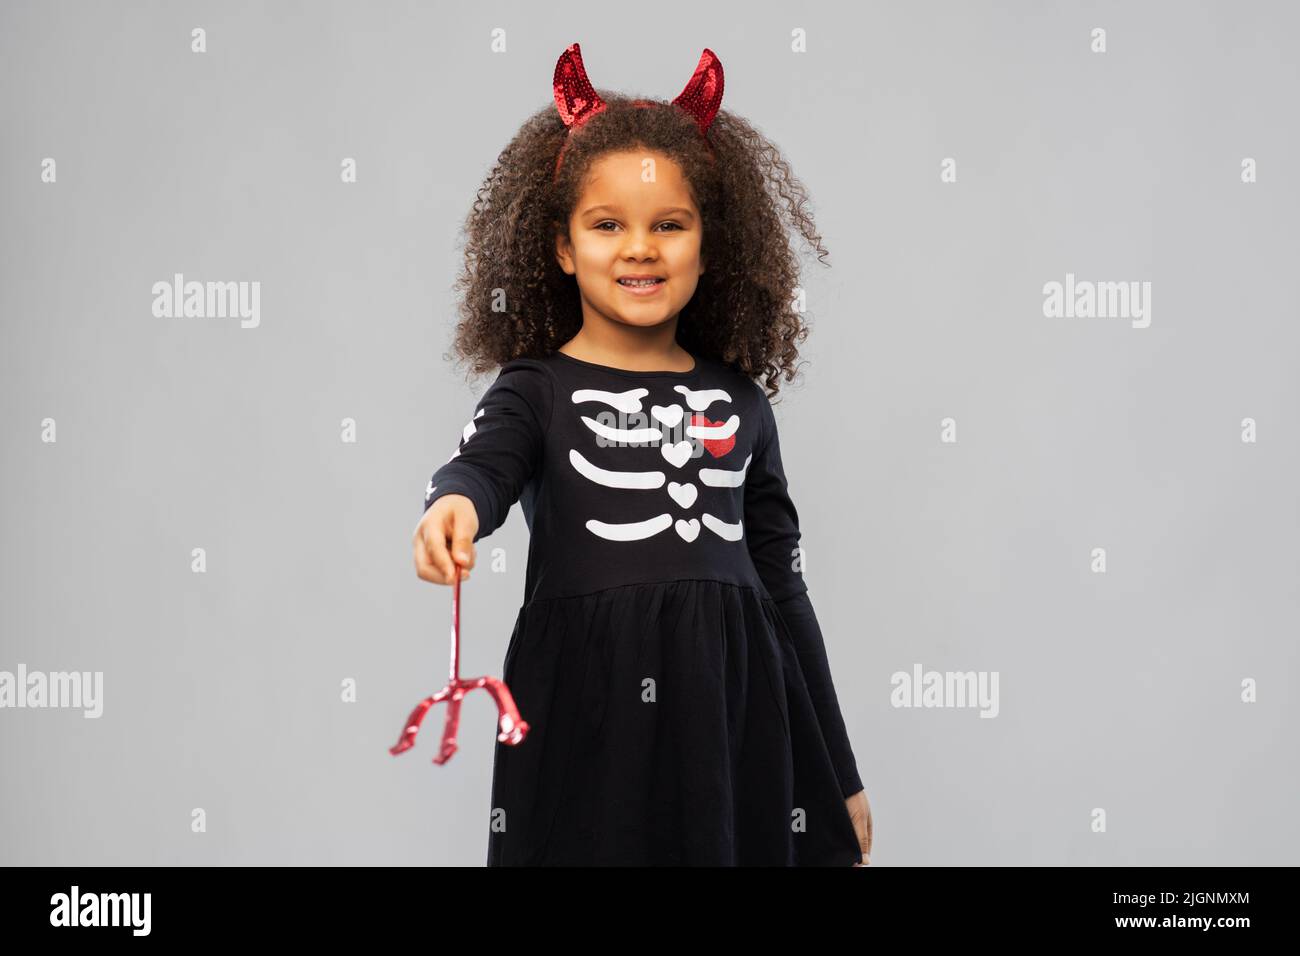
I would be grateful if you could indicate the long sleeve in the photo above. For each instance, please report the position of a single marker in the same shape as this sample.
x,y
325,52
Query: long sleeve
x,y
772,532
501,447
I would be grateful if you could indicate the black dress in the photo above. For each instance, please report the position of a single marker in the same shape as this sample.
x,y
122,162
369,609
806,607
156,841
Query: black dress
x,y
666,657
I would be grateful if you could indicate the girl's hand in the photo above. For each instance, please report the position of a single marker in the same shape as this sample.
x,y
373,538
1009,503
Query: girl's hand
x,y
444,539
860,814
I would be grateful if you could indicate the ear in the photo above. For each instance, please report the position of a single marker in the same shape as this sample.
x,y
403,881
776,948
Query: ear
x,y
564,251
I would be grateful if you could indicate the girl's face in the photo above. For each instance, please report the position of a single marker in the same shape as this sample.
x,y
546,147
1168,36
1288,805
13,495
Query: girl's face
x,y
635,217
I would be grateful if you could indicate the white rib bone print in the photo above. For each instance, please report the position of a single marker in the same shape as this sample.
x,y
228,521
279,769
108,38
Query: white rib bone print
x,y
469,430
465,434
675,454
701,400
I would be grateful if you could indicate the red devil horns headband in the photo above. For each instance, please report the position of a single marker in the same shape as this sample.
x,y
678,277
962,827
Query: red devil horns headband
x,y
577,101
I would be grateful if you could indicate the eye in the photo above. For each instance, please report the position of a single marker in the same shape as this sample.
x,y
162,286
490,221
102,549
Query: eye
x,y
600,226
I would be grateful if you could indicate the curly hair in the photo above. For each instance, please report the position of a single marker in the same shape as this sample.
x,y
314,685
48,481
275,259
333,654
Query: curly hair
x,y
516,301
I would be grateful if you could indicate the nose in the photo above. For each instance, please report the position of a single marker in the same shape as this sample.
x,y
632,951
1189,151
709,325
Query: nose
x,y
640,245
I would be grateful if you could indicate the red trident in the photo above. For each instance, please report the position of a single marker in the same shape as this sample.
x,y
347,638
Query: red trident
x,y
513,727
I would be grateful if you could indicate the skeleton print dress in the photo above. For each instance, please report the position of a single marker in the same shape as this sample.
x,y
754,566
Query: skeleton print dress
x,y
666,657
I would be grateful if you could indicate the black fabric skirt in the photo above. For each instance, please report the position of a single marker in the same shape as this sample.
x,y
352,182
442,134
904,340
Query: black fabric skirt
x,y
670,724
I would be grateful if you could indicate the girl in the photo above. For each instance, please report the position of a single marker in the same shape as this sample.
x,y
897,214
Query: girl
x,y
627,268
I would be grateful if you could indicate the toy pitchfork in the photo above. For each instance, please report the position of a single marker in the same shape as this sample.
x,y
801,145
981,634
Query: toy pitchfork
x,y
513,727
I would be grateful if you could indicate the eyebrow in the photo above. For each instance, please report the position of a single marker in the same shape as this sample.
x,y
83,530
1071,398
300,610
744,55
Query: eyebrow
x,y
662,212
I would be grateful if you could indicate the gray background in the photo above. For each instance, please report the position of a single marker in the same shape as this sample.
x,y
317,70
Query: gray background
x,y
1118,691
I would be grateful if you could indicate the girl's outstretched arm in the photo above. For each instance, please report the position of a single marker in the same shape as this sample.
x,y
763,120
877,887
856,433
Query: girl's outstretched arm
x,y
772,532
501,447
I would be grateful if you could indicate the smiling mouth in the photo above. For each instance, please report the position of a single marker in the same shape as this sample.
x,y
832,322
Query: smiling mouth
x,y
641,283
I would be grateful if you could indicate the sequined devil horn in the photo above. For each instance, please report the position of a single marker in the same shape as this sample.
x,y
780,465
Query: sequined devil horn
x,y
703,94
575,97
577,100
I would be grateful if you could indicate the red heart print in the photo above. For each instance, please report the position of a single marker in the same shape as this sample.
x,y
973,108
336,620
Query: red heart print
x,y
717,447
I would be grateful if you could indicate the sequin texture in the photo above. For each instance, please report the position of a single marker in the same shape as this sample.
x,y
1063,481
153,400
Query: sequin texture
x,y
577,100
